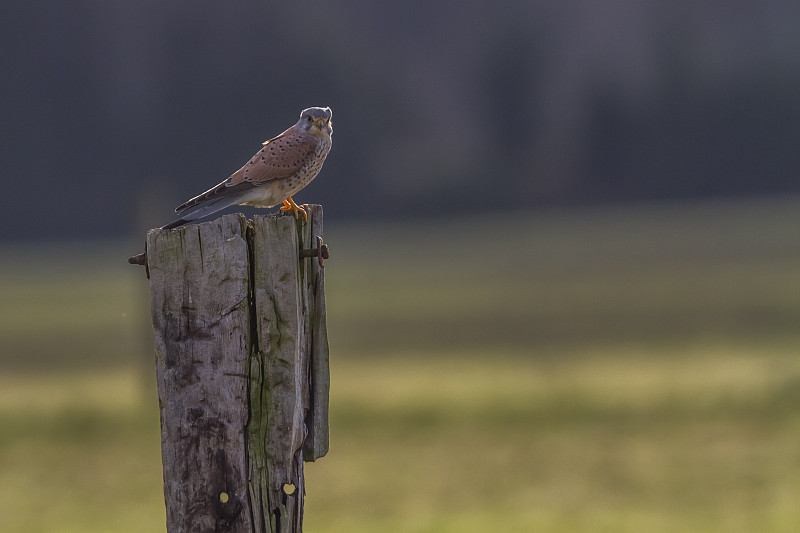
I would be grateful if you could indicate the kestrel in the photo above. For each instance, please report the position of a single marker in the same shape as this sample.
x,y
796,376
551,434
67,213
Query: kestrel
x,y
285,164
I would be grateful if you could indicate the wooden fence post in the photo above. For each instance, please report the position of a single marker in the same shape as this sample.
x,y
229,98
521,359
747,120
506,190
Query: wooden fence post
x,y
238,312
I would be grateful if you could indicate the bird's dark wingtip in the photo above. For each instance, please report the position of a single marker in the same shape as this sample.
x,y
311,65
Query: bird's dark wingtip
x,y
175,224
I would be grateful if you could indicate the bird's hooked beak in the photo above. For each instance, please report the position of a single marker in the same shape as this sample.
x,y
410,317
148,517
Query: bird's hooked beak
x,y
320,123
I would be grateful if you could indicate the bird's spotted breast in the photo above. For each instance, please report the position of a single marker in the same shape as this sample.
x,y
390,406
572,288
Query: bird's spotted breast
x,y
309,171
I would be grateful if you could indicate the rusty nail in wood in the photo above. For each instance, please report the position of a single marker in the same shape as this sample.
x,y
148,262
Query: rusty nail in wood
x,y
140,259
320,252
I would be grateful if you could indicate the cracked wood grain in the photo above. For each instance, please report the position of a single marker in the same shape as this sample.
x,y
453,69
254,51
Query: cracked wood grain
x,y
242,370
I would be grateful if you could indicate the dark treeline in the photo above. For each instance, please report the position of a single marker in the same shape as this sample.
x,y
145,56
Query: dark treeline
x,y
437,106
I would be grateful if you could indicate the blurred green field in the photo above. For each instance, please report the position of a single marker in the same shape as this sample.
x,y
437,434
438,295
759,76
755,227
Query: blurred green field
x,y
610,370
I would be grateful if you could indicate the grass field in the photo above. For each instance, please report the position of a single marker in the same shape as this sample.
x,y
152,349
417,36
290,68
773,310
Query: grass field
x,y
630,370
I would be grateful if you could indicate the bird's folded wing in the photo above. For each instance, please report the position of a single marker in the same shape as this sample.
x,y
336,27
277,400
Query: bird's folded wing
x,y
280,157
218,192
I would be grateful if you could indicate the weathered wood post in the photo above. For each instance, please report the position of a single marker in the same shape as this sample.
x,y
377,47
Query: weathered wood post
x,y
238,312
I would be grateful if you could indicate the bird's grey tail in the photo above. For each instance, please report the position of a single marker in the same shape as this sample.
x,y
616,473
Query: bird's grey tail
x,y
199,211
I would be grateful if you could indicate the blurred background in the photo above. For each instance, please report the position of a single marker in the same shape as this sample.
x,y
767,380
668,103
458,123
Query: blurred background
x,y
563,292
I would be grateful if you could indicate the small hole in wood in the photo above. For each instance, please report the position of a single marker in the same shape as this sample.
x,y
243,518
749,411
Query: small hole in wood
x,y
224,497
289,488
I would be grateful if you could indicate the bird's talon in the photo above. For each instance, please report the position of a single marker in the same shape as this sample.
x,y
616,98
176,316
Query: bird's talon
x,y
289,205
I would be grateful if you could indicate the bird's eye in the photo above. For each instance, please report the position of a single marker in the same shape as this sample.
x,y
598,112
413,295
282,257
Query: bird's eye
x,y
310,119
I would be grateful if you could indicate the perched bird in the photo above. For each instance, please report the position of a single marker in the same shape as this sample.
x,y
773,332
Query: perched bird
x,y
285,164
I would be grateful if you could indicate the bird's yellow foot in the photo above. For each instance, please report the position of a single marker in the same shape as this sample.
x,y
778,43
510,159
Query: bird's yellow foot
x,y
289,205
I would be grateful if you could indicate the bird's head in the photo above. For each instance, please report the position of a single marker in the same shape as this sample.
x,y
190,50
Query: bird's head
x,y
316,120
